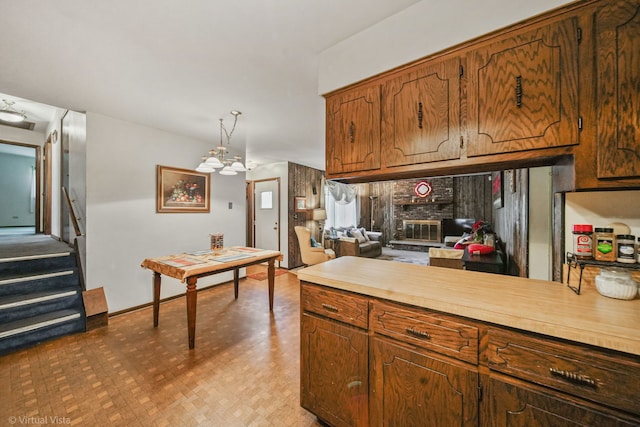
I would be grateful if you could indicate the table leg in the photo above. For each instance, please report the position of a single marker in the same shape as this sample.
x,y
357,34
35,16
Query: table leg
x,y
236,280
271,274
192,297
156,298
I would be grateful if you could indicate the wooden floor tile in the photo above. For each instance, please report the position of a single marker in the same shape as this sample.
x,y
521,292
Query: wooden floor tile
x,y
244,370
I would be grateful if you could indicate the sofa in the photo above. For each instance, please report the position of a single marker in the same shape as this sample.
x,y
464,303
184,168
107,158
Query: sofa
x,y
352,241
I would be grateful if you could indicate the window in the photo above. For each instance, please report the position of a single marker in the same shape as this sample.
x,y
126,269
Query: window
x,y
338,214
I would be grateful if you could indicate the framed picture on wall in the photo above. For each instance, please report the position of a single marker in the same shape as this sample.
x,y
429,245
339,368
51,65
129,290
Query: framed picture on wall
x,y
181,190
497,189
300,204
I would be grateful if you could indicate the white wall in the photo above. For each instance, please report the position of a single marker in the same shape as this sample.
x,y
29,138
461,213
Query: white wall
x,y
16,179
277,170
56,149
123,227
540,223
420,30
600,209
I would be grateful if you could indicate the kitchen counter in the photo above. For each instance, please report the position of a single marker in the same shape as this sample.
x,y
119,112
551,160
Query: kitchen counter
x,y
539,306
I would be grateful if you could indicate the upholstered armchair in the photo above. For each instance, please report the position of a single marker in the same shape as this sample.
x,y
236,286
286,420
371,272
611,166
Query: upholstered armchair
x,y
311,255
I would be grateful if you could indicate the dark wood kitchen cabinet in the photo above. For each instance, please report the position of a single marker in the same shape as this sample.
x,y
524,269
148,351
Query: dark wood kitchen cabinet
x,y
410,387
542,382
523,90
334,354
421,114
353,131
616,32
371,361
518,404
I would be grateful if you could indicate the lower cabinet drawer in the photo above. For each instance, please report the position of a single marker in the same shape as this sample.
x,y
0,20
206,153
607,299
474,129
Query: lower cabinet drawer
x,y
346,308
425,329
581,371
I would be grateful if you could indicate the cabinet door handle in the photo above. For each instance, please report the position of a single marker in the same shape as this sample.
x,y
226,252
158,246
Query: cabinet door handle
x,y
519,91
573,377
352,132
330,307
417,333
420,115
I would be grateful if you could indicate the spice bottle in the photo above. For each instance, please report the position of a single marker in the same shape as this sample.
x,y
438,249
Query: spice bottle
x,y
626,248
583,241
604,247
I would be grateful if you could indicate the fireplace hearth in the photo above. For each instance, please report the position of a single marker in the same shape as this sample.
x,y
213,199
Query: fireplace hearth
x,y
422,230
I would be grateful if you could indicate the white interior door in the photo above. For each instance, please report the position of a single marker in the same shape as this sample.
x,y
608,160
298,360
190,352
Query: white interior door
x,y
266,197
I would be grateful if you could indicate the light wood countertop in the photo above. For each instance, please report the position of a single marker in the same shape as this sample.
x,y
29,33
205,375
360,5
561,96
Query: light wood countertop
x,y
539,306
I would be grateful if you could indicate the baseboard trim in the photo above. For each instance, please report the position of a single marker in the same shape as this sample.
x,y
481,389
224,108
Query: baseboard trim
x,y
149,304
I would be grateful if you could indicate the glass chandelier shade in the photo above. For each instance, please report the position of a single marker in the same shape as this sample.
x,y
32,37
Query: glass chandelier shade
x,y
218,156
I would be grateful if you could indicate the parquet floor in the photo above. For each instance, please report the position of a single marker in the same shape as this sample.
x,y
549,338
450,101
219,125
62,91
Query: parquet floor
x,y
244,370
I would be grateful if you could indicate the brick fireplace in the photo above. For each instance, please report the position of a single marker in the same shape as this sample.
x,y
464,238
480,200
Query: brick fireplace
x,y
425,214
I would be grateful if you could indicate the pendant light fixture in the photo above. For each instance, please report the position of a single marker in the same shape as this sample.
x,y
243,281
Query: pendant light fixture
x,y
9,114
218,156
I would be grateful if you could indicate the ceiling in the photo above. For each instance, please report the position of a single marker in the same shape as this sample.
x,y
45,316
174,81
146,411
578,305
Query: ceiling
x,y
180,66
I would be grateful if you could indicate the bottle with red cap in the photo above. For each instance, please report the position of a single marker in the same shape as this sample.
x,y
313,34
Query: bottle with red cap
x,y
583,241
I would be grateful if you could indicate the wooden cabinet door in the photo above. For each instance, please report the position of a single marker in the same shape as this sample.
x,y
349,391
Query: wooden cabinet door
x,y
411,388
421,114
523,91
617,38
515,404
353,131
334,366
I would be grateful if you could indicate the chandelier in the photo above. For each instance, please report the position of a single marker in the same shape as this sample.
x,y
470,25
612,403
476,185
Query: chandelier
x,y
9,114
219,156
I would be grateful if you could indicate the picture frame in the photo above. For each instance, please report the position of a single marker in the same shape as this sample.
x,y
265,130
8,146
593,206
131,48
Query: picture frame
x,y
300,204
182,190
497,189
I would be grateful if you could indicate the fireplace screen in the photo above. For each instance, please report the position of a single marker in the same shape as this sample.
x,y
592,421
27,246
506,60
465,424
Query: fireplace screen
x,y
424,230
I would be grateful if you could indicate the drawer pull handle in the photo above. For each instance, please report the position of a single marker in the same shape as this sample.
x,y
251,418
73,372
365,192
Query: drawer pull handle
x,y
329,307
418,333
573,377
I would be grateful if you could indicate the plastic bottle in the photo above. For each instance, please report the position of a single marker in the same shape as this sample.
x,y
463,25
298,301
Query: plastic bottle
x,y
626,248
604,247
583,241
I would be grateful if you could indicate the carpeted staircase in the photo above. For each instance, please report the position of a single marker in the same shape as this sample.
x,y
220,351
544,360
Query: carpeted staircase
x,y
40,299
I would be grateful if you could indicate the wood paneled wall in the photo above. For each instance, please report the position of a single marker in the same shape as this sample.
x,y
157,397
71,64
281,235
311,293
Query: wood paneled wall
x,y
472,197
303,182
511,221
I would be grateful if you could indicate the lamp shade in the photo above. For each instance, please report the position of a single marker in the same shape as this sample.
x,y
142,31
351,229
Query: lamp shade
x,y
227,170
319,214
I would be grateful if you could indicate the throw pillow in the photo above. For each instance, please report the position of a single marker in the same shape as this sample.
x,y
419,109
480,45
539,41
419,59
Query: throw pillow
x,y
315,244
364,233
358,235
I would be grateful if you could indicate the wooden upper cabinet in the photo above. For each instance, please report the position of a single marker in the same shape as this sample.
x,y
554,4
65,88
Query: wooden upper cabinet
x,y
617,63
523,90
353,131
421,114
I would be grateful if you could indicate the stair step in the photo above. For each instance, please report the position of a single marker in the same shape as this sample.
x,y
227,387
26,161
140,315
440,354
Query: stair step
x,y
36,264
32,257
37,322
30,277
34,298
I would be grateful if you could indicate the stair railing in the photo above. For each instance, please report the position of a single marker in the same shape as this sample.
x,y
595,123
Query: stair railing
x,y
78,242
74,216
